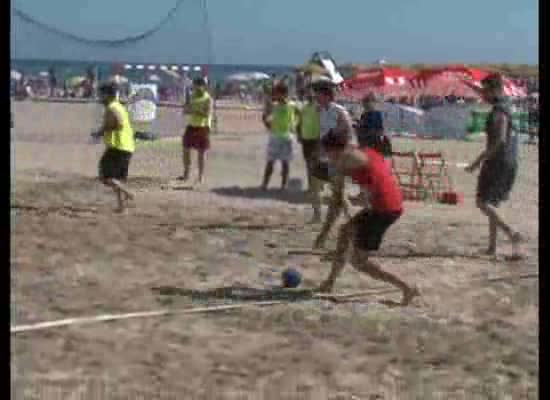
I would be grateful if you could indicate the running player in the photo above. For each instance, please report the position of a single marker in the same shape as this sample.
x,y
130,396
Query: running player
x,y
118,136
365,230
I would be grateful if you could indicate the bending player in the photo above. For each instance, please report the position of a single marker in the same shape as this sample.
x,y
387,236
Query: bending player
x,y
364,231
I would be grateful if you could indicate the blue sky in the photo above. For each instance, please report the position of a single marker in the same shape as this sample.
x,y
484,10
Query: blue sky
x,y
288,31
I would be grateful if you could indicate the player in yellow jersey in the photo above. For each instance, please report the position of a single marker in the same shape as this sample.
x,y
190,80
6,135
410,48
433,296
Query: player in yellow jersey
x,y
119,140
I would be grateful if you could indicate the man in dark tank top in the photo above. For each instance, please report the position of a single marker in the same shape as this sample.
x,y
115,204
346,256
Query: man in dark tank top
x,y
498,164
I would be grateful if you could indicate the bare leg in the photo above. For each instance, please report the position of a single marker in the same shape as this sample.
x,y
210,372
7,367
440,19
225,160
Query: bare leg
x,y
267,174
201,158
493,232
496,220
315,195
361,262
186,163
343,244
119,190
285,170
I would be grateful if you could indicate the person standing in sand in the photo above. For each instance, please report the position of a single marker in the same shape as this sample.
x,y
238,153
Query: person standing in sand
x,y
365,230
197,133
370,128
498,164
118,136
308,130
332,118
279,118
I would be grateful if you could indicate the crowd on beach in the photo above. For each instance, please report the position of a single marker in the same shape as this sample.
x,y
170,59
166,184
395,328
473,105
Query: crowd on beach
x,y
254,92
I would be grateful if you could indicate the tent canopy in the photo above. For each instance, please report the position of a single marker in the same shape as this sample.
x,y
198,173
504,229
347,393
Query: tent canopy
x,y
381,80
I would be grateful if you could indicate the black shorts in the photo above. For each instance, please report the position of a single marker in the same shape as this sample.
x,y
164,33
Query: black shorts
x,y
114,164
310,150
370,226
322,170
495,182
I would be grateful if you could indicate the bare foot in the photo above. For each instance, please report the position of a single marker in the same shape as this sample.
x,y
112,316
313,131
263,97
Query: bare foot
x,y
491,251
121,210
517,254
408,295
182,178
518,238
263,188
129,196
515,257
326,286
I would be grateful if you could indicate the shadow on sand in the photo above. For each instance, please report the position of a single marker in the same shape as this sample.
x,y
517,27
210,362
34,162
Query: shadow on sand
x,y
240,293
289,196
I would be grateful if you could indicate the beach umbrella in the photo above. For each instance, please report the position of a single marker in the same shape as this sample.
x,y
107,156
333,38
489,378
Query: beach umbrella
x,y
15,75
248,76
44,74
75,81
154,78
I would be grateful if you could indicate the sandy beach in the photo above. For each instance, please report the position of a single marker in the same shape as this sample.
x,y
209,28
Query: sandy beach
x,y
473,334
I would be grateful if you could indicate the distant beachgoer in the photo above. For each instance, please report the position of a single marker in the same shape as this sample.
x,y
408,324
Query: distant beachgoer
x,y
280,118
187,84
364,232
498,163
300,86
52,82
91,82
332,117
370,129
118,136
308,133
197,133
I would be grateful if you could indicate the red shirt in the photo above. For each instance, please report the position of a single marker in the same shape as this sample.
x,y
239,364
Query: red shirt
x,y
378,180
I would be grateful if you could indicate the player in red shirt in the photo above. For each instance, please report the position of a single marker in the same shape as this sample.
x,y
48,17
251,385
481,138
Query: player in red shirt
x,y
364,231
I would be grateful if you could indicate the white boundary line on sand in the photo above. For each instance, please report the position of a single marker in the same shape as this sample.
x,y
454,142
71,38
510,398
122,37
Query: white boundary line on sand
x,y
159,313
142,314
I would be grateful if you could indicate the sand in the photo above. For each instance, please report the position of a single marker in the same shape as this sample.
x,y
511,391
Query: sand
x,y
473,333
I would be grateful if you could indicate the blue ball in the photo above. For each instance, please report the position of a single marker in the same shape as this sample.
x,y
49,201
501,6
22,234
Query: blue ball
x,y
291,278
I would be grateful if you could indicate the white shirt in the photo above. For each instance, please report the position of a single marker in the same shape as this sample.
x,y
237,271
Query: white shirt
x,y
328,119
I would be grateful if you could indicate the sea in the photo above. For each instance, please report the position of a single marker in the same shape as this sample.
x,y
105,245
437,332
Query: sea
x,y
67,69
